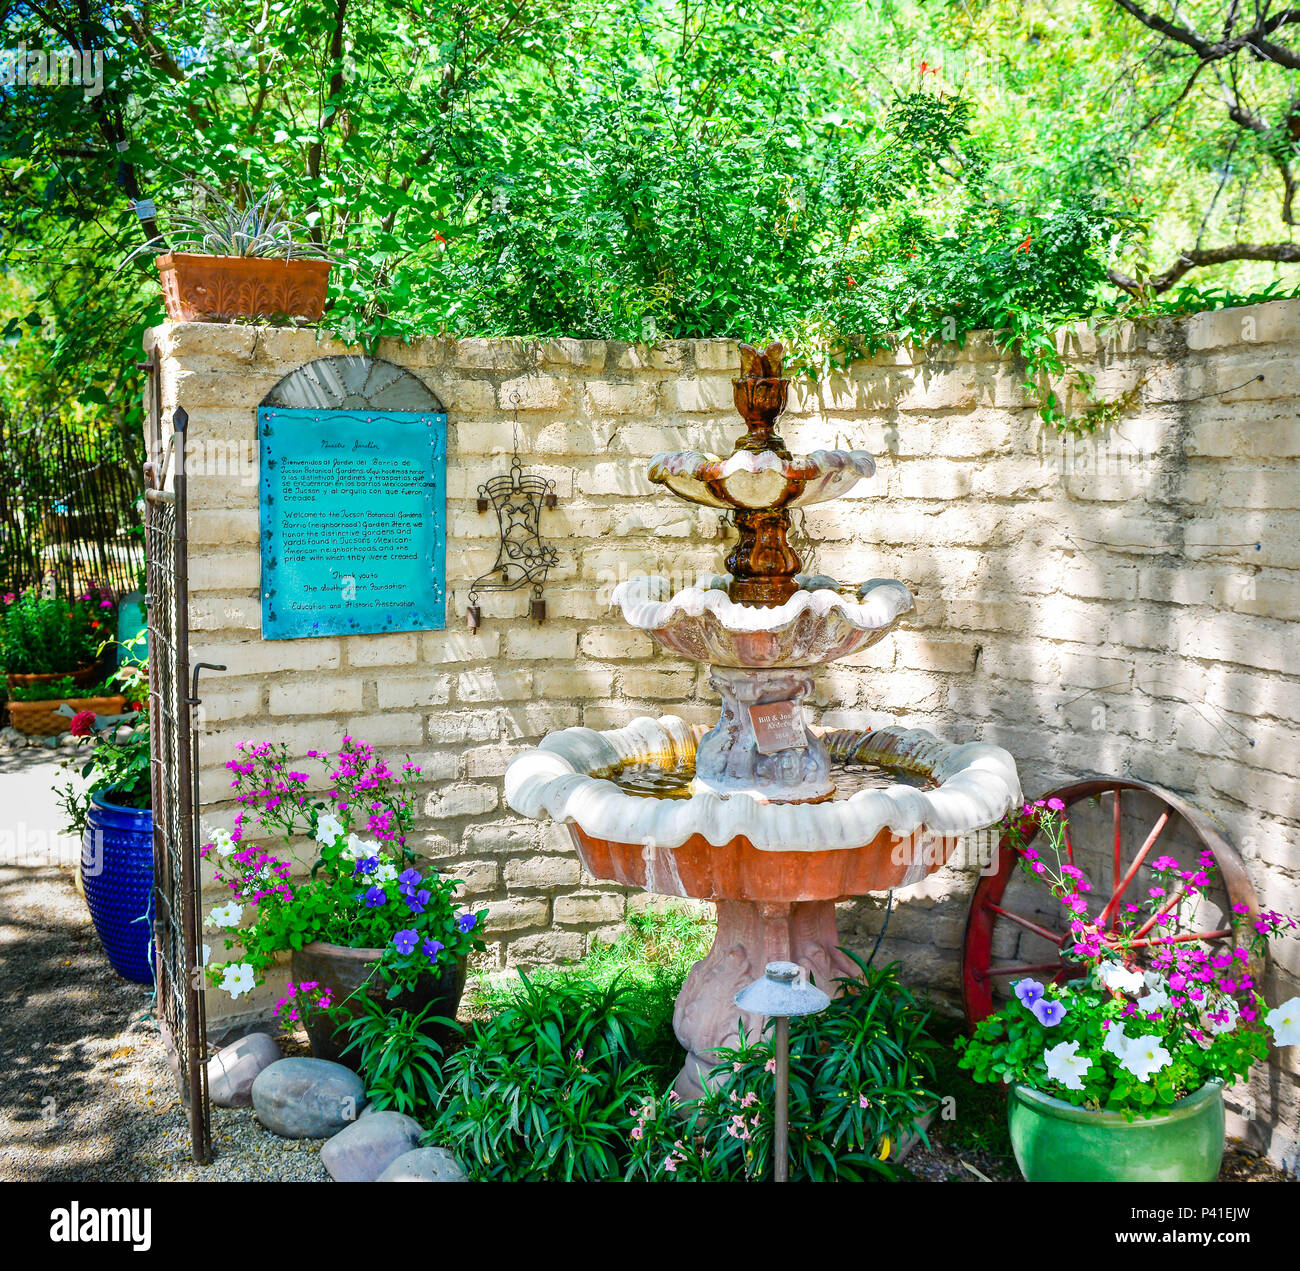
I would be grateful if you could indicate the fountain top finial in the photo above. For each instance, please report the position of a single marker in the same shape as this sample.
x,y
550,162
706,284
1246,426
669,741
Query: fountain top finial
x,y
760,396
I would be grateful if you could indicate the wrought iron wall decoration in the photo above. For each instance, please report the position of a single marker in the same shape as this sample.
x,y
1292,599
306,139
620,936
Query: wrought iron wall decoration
x,y
523,560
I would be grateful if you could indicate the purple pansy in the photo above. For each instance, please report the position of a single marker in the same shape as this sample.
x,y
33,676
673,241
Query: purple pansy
x,y
1028,991
431,949
375,897
1047,1012
405,941
465,923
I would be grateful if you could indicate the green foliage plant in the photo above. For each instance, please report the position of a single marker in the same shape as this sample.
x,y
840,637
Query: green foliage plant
x,y
48,635
860,1076
547,1088
397,1055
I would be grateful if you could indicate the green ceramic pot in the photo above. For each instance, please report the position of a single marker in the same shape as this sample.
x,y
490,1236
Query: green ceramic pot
x,y
1056,1142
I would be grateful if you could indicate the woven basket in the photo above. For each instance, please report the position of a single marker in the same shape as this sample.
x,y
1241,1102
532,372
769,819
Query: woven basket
x,y
42,719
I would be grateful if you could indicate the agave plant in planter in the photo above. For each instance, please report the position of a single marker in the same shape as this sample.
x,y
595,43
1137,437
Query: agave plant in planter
x,y
359,918
1118,1073
228,259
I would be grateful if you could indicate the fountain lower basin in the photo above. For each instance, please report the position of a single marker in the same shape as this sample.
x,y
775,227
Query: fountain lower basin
x,y
775,870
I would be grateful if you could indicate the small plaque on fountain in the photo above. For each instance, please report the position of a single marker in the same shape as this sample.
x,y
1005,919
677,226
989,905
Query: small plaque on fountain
x,y
777,726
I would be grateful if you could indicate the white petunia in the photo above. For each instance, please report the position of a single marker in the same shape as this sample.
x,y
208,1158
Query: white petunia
x,y
385,872
1284,1020
238,978
1154,999
1117,1041
358,849
328,830
207,953
1144,1057
1118,978
227,915
1064,1064
222,842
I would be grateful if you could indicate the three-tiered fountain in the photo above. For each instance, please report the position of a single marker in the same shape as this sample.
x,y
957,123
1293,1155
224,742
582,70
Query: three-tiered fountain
x,y
770,818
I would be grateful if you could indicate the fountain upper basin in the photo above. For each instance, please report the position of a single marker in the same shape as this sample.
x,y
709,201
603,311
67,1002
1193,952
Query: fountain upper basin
x,y
763,479
724,847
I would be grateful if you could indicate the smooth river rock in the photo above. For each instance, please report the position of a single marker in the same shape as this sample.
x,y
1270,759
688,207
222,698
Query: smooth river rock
x,y
234,1068
363,1150
424,1165
307,1098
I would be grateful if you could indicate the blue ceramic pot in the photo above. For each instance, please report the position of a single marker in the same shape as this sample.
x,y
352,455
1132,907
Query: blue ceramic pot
x,y
117,876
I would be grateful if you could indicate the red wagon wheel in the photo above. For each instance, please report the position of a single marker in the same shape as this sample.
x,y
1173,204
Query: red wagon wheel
x,y
1115,828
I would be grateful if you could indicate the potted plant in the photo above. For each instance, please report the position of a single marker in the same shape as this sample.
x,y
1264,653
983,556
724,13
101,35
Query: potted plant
x,y
233,258
113,816
44,639
1118,1073
47,709
365,921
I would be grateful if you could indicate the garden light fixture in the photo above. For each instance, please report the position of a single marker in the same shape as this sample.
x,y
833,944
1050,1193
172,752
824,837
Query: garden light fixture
x,y
783,992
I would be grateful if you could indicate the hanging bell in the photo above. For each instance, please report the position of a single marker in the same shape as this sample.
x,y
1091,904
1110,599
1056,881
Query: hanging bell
x,y
482,503
549,499
472,617
537,610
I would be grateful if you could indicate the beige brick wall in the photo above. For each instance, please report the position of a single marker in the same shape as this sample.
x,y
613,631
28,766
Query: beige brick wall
x,y
1053,576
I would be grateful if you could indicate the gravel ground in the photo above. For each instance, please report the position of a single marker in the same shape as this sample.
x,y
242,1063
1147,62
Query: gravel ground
x,y
86,1093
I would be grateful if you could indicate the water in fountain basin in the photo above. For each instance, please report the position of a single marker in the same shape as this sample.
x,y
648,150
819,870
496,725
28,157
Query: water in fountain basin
x,y
663,781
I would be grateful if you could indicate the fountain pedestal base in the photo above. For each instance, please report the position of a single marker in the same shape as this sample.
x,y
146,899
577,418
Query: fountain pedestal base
x,y
750,935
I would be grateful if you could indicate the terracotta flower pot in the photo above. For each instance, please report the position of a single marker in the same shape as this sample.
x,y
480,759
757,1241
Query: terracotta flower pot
x,y
200,288
42,719
343,971
87,673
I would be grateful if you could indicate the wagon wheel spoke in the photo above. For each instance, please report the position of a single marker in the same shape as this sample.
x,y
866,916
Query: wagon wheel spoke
x,y
1021,921
1167,908
1111,912
1027,968
1182,938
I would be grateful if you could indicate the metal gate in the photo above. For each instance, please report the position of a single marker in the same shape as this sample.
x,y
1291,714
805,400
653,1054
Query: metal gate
x,y
178,964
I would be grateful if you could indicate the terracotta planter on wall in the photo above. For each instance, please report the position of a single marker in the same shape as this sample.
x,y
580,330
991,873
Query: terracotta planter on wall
x,y
200,288
41,719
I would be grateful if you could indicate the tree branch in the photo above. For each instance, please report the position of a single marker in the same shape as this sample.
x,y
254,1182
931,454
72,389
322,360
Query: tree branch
x,y
1282,253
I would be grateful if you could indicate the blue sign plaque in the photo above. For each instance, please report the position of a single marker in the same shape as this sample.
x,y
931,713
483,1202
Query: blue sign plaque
x,y
354,513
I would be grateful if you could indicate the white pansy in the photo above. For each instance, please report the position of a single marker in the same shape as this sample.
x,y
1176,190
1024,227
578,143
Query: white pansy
x,y
1066,1065
227,915
238,978
1118,978
1224,1006
1117,1041
1284,1020
1144,1057
328,830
